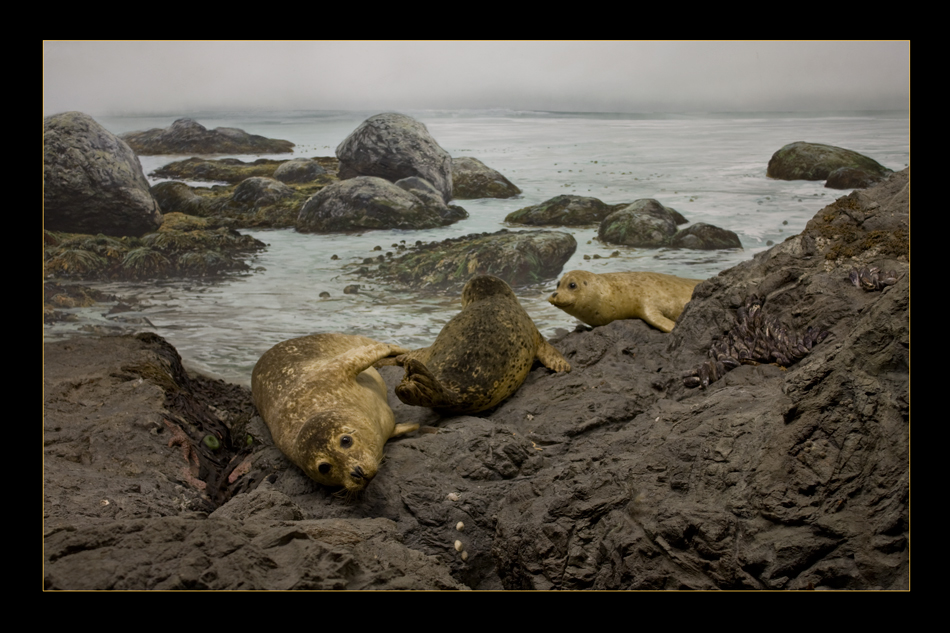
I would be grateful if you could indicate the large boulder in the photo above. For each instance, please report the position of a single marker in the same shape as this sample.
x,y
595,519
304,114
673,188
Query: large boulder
x,y
563,210
92,181
187,136
815,161
395,146
471,178
367,202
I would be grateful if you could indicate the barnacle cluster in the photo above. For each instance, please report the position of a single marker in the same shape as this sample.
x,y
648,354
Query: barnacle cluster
x,y
755,338
873,278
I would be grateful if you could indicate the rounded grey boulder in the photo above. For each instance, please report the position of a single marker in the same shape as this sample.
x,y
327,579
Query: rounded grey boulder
x,y
395,146
93,181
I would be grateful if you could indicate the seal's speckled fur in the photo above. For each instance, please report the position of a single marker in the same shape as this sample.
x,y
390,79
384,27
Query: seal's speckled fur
x,y
596,299
480,357
326,406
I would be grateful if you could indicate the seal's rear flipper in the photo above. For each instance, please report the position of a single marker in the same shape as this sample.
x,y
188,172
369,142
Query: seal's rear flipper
x,y
420,388
551,358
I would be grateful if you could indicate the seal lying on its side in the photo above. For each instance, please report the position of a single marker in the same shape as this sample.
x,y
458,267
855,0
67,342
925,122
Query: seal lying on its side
x,y
596,299
480,357
326,406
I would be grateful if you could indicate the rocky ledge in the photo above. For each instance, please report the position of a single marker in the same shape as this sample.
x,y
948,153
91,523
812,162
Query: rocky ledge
x,y
613,476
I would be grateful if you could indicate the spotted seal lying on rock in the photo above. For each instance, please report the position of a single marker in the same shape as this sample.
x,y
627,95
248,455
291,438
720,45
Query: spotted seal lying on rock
x,y
480,357
326,406
598,299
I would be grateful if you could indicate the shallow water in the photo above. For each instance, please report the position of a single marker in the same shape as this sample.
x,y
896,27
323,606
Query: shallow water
x,y
711,168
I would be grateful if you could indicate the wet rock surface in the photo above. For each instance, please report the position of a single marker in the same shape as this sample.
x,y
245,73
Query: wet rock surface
x,y
613,476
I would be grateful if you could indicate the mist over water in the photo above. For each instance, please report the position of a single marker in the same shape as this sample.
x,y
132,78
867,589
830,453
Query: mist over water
x,y
709,167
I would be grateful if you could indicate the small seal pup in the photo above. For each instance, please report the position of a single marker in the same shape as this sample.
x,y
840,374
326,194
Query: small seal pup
x,y
598,299
326,406
480,357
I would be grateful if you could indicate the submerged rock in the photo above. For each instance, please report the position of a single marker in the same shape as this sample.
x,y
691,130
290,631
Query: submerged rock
x,y
395,146
702,236
187,136
815,161
519,258
366,203
92,181
471,178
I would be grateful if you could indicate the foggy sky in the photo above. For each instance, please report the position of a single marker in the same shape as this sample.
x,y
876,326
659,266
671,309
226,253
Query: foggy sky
x,y
167,77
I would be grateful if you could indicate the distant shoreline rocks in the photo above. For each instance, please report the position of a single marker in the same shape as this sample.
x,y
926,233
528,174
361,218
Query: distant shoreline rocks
x,y
842,168
187,136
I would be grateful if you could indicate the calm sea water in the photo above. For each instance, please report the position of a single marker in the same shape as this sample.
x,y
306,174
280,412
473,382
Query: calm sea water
x,y
710,167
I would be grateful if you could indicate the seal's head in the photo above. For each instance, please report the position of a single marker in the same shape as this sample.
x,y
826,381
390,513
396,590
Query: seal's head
x,y
484,286
571,286
335,450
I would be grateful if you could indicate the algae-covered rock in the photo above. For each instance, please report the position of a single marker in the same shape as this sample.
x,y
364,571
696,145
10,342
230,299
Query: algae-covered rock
x,y
186,136
520,258
471,178
395,146
92,181
815,161
563,210
365,203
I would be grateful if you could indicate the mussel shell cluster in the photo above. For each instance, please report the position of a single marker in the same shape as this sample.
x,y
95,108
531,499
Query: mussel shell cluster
x,y
755,338
873,278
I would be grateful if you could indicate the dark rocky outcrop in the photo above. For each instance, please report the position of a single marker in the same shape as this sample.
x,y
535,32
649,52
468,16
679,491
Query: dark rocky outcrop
x,y
367,203
92,181
815,161
471,178
395,146
234,170
520,258
702,236
187,136
564,210
612,476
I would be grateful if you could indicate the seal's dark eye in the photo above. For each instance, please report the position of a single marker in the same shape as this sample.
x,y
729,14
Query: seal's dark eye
x,y
572,285
346,441
324,468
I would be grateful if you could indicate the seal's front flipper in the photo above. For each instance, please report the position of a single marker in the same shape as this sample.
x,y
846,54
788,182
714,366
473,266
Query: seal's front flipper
x,y
420,388
551,358
405,427
365,356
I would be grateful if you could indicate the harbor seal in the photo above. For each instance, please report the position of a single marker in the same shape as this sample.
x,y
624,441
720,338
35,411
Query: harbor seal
x,y
480,357
326,406
598,299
